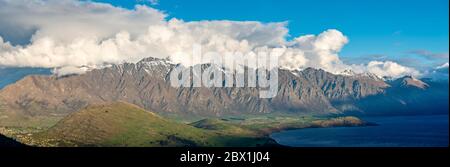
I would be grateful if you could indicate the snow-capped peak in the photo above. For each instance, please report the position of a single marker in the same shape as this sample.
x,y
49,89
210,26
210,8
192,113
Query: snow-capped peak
x,y
151,61
371,76
347,72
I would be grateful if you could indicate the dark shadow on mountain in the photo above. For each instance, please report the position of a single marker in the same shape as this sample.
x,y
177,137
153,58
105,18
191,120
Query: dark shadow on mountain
x,y
400,100
8,142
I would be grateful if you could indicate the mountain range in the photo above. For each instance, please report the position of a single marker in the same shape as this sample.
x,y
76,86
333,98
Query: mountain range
x,y
147,85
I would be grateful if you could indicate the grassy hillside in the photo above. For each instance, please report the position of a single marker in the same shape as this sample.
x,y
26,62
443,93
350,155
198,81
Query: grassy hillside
x,y
124,124
233,134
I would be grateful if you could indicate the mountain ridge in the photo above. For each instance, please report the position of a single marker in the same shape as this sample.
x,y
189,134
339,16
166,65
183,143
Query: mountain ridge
x,y
146,84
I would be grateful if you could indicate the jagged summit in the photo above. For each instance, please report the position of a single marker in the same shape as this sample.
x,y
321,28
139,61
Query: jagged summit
x,y
371,76
156,60
347,72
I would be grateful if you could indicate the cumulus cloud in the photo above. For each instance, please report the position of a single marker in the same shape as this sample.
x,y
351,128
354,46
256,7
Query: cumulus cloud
x,y
67,70
75,36
321,51
390,69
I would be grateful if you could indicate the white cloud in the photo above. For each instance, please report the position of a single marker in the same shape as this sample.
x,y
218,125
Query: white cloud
x,y
72,34
66,70
443,66
389,68
321,51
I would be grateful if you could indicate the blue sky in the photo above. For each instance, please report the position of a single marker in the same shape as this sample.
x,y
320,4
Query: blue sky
x,y
407,31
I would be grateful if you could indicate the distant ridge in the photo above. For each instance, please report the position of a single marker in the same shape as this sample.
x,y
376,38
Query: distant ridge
x,y
147,85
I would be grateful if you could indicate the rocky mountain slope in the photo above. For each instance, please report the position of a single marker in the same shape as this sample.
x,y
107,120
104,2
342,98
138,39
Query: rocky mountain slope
x,y
147,85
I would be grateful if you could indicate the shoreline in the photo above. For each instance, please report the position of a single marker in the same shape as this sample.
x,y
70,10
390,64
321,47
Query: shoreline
x,y
347,121
393,128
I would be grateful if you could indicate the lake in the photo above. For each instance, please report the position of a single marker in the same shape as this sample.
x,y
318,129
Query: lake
x,y
394,131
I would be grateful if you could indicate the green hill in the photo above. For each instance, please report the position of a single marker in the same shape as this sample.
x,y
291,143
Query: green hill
x,y
124,124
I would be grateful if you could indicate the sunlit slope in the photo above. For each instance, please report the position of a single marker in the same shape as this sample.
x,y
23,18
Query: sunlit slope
x,y
124,124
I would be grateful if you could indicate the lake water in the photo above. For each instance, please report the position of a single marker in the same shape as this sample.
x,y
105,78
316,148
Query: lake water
x,y
398,131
